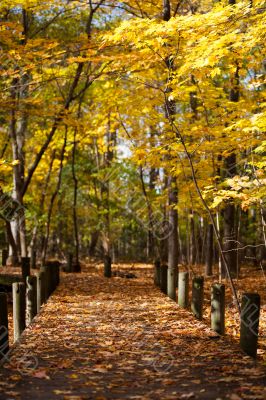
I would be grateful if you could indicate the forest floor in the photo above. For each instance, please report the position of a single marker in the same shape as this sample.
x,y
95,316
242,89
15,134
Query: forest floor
x,y
118,338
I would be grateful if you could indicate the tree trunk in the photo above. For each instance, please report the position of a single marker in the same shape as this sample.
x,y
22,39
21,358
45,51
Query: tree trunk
x,y
172,239
75,198
229,212
105,190
229,231
52,200
192,244
93,243
209,251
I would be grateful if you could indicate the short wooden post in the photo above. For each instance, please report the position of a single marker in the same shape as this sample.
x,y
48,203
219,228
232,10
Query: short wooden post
x,y
44,270
183,289
218,308
31,298
25,266
56,274
171,282
4,257
40,290
157,266
163,278
197,296
53,277
107,267
76,267
249,328
4,345
18,290
69,267
49,272
33,259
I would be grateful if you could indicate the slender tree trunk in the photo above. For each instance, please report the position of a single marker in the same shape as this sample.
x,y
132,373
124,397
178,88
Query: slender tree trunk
x,y
93,243
75,197
172,189
209,251
53,197
229,214
172,239
18,128
163,244
42,201
105,191
229,223
150,235
192,244
12,243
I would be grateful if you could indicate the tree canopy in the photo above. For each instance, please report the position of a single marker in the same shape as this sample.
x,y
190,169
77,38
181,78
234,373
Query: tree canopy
x,y
101,101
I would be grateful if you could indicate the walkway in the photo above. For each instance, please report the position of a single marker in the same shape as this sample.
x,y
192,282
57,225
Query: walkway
x,y
120,338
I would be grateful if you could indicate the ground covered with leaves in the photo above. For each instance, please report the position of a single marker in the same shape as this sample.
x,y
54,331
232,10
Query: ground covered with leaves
x,y
118,338
252,279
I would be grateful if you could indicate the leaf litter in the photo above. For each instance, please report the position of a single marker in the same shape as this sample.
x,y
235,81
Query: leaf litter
x,y
117,338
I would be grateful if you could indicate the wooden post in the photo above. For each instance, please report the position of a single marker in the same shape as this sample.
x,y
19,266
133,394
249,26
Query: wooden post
x,y
157,266
249,328
4,345
33,259
31,298
40,290
163,278
218,308
76,267
25,265
53,276
18,289
107,267
69,267
4,257
171,282
183,289
56,274
43,270
197,296
49,273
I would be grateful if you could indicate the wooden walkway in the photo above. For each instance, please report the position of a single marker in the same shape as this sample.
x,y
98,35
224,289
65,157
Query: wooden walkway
x,y
118,338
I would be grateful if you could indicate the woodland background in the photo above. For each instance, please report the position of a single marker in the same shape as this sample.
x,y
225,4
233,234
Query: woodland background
x,y
134,129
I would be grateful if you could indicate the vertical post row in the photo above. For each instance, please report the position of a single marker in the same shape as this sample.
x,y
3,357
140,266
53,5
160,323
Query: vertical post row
x,y
249,328
31,298
4,345
18,290
218,308
197,296
107,267
183,289
25,265
157,266
163,278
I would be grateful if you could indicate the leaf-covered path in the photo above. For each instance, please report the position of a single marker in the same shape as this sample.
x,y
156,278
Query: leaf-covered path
x,y
120,338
